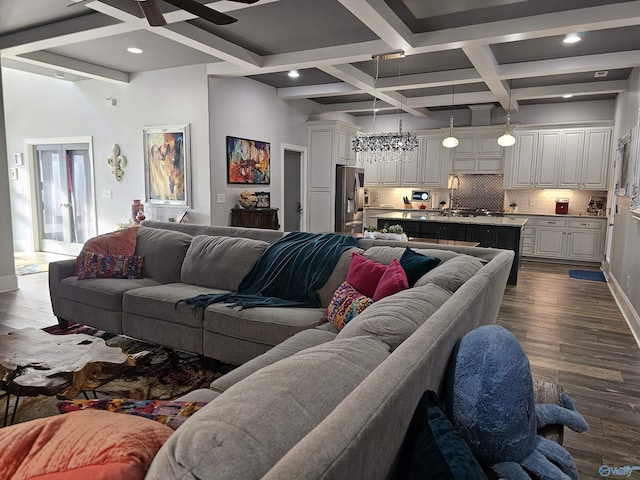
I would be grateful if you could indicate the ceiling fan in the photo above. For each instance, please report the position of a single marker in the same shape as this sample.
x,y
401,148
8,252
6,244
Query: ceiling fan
x,y
153,12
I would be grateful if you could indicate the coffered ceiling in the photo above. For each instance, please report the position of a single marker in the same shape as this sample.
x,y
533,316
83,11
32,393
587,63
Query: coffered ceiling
x,y
479,49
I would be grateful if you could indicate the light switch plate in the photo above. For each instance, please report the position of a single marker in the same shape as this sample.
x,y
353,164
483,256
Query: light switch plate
x,y
106,193
220,198
532,202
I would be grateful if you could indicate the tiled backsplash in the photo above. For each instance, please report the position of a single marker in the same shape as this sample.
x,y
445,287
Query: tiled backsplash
x,y
544,201
488,193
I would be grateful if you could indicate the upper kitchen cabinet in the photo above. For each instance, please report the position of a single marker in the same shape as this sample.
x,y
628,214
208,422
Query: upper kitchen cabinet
x,y
382,174
329,145
477,152
576,158
428,166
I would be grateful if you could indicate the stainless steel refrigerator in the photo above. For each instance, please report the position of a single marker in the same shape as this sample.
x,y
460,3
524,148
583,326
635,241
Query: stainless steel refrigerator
x,y
349,199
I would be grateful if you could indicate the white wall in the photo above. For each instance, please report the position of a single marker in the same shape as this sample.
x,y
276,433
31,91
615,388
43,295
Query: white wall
x,y
241,107
8,280
624,263
42,107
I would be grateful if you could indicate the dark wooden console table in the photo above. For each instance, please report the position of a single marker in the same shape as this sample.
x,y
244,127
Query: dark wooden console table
x,y
255,218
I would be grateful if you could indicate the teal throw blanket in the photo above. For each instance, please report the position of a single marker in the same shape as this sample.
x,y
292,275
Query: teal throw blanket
x,y
288,273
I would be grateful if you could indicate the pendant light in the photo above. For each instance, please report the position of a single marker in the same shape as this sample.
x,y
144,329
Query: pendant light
x,y
507,139
451,141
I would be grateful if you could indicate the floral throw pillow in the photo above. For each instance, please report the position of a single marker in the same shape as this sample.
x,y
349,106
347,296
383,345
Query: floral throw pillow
x,y
169,413
346,303
98,265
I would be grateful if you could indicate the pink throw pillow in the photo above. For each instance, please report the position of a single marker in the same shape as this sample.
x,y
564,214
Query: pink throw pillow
x,y
364,274
393,280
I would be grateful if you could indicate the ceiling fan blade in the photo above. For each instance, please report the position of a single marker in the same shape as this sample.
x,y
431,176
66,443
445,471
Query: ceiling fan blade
x,y
202,11
152,11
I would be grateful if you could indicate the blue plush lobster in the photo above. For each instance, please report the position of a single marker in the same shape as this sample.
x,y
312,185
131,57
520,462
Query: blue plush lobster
x,y
490,401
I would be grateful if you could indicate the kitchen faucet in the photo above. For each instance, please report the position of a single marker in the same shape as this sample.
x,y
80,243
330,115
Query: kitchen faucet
x,y
454,177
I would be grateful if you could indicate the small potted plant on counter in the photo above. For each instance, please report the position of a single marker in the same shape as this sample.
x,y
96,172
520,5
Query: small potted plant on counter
x,y
393,232
514,207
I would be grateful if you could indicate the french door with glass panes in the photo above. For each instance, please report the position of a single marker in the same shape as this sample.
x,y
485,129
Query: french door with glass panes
x,y
67,216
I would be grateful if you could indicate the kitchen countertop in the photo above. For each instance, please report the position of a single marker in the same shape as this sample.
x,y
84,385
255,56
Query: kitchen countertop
x,y
559,215
421,216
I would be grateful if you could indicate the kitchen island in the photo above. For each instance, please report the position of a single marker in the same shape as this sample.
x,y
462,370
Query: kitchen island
x,y
495,232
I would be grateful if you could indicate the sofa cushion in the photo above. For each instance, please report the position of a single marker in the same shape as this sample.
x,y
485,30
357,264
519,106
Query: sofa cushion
x,y
220,262
163,252
92,444
246,430
453,273
385,254
159,302
264,325
364,274
393,280
339,275
416,264
395,318
300,341
103,293
346,304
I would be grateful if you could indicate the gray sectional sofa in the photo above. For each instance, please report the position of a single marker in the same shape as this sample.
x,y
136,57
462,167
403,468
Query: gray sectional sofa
x,y
306,401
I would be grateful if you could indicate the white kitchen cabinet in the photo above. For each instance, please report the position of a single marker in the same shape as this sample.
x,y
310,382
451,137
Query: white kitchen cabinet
x,y
520,161
428,165
567,239
595,161
547,159
329,145
572,158
371,174
383,174
477,152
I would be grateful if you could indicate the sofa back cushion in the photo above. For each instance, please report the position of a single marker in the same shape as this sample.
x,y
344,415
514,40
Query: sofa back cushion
x,y
338,276
453,273
393,319
385,254
163,252
220,262
242,433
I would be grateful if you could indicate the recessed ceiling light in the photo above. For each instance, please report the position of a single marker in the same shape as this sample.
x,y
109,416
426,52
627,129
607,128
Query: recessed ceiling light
x,y
572,38
293,74
134,50
58,75
567,95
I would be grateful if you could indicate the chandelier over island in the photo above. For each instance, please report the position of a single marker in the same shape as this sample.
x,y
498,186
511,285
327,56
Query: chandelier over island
x,y
384,147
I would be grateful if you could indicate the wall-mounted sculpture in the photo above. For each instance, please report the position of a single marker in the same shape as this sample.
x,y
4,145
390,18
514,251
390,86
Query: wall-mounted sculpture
x,y
117,161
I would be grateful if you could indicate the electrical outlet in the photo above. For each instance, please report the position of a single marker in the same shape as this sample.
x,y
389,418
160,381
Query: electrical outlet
x,y
532,202
220,198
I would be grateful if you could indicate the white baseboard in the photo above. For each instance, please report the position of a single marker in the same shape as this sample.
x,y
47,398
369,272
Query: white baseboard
x,y
626,308
8,283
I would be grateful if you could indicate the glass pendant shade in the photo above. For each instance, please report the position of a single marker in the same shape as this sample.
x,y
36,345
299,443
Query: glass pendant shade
x,y
507,139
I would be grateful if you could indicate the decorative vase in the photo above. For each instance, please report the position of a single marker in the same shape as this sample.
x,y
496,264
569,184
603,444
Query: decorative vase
x,y
137,211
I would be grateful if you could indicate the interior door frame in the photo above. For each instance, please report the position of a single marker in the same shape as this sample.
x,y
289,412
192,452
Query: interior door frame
x,y
304,221
32,161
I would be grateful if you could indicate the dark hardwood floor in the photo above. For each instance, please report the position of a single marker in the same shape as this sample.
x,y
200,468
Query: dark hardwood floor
x,y
574,334
571,330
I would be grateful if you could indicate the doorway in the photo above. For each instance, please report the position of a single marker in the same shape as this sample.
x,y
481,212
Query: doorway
x,y
293,208
64,195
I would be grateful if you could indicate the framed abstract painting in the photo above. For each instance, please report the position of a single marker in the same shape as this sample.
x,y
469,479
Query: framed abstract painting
x,y
167,165
248,161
